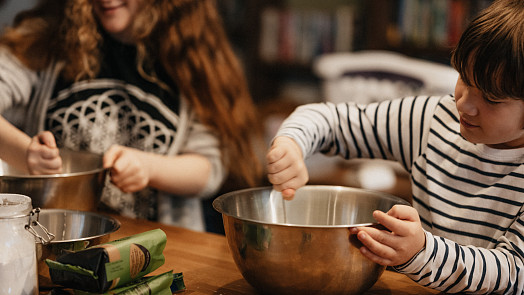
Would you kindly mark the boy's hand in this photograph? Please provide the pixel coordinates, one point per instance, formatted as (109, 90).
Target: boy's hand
(286, 168)
(43, 156)
(128, 172)
(405, 240)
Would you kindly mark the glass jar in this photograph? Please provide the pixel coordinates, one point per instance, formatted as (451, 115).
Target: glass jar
(18, 267)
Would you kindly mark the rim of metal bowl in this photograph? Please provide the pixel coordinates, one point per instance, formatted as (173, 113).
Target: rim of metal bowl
(113, 220)
(218, 202)
(58, 175)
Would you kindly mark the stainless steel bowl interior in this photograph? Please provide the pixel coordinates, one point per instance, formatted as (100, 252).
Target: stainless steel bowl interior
(74, 163)
(303, 246)
(72, 225)
(312, 206)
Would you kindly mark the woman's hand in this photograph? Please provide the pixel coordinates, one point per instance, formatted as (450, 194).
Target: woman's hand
(127, 168)
(286, 168)
(43, 156)
(405, 240)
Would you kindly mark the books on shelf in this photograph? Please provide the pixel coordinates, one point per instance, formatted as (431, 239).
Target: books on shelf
(297, 36)
(269, 32)
(440, 23)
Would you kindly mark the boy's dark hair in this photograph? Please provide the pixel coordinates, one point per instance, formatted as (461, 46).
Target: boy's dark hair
(490, 53)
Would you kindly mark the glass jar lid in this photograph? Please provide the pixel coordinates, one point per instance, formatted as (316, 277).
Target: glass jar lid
(14, 205)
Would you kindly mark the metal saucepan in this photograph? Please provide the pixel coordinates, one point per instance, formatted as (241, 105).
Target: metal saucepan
(73, 230)
(79, 187)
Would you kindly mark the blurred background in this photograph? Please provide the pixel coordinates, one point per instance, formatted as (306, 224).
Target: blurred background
(302, 51)
(279, 40)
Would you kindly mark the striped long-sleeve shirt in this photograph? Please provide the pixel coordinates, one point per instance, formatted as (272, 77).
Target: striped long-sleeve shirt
(469, 196)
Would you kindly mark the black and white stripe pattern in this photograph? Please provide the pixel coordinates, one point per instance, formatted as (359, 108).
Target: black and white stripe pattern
(469, 196)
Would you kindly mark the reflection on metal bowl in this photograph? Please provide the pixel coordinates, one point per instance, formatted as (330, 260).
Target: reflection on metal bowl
(78, 188)
(73, 230)
(302, 246)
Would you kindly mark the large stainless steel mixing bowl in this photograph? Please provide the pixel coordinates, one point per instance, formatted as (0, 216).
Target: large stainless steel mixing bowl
(78, 188)
(74, 230)
(302, 246)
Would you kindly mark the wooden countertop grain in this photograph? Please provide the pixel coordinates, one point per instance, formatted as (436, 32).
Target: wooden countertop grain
(208, 267)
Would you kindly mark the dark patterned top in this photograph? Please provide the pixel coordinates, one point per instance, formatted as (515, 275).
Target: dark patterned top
(117, 107)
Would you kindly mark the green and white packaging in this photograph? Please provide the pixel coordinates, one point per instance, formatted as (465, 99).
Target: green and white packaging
(158, 285)
(104, 267)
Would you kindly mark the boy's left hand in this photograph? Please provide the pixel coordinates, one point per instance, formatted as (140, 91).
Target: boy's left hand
(405, 240)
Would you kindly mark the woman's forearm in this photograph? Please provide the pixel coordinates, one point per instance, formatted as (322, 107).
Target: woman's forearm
(181, 175)
(13, 145)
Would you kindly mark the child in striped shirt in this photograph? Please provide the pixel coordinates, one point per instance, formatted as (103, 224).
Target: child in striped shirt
(465, 154)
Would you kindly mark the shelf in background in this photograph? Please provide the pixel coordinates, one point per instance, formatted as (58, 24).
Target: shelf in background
(278, 40)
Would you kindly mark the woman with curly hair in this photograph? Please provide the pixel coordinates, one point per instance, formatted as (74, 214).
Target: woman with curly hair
(152, 84)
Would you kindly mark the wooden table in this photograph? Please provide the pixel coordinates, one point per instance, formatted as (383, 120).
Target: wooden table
(208, 267)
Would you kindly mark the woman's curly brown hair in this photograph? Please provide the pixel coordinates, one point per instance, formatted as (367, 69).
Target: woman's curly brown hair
(186, 36)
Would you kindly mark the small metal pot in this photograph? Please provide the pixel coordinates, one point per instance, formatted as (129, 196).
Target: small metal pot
(302, 246)
(79, 187)
(73, 230)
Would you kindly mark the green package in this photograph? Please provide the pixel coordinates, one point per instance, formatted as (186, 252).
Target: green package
(178, 284)
(159, 284)
(104, 267)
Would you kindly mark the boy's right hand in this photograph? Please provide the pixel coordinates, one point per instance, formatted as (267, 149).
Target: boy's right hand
(43, 156)
(286, 168)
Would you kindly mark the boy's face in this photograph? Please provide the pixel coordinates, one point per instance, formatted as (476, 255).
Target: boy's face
(497, 123)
